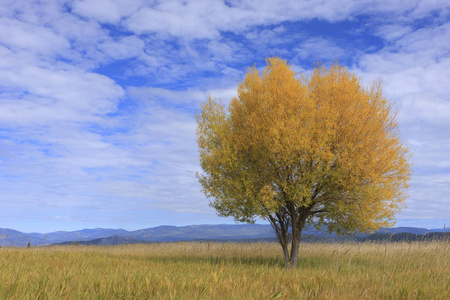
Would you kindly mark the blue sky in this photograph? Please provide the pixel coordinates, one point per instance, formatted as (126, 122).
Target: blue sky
(98, 98)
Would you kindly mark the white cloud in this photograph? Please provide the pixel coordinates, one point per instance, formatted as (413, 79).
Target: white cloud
(31, 38)
(206, 19)
(189, 98)
(393, 32)
(123, 48)
(82, 95)
(319, 49)
(105, 11)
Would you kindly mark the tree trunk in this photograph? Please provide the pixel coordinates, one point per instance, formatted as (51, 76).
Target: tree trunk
(285, 247)
(282, 231)
(295, 247)
(298, 222)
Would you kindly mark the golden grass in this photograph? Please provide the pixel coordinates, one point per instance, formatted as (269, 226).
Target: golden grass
(227, 271)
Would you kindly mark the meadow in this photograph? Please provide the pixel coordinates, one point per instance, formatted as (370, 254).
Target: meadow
(227, 271)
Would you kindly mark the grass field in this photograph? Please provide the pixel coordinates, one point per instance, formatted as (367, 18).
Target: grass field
(227, 271)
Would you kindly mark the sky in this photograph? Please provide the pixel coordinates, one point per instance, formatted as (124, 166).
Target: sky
(98, 98)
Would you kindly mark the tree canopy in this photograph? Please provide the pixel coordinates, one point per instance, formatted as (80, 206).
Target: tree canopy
(318, 149)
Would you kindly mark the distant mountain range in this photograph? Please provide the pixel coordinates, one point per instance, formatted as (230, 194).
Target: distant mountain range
(237, 232)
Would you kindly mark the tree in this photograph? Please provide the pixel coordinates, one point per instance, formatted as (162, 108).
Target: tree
(318, 150)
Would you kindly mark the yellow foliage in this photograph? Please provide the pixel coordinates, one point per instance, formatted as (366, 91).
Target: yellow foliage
(322, 147)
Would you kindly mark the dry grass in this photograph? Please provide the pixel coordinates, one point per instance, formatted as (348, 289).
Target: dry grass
(227, 271)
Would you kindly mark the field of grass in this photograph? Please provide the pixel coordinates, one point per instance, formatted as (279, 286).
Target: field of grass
(227, 271)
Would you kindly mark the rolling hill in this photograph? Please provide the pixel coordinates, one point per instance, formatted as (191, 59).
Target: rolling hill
(225, 232)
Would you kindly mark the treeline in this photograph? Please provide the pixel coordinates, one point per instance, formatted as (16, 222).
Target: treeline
(378, 237)
(406, 237)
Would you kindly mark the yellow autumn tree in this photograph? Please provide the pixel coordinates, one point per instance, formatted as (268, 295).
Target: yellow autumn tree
(294, 150)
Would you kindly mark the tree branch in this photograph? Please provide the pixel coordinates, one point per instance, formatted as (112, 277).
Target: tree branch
(313, 212)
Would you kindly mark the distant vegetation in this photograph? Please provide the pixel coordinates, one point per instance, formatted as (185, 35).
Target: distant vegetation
(407, 237)
(227, 271)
